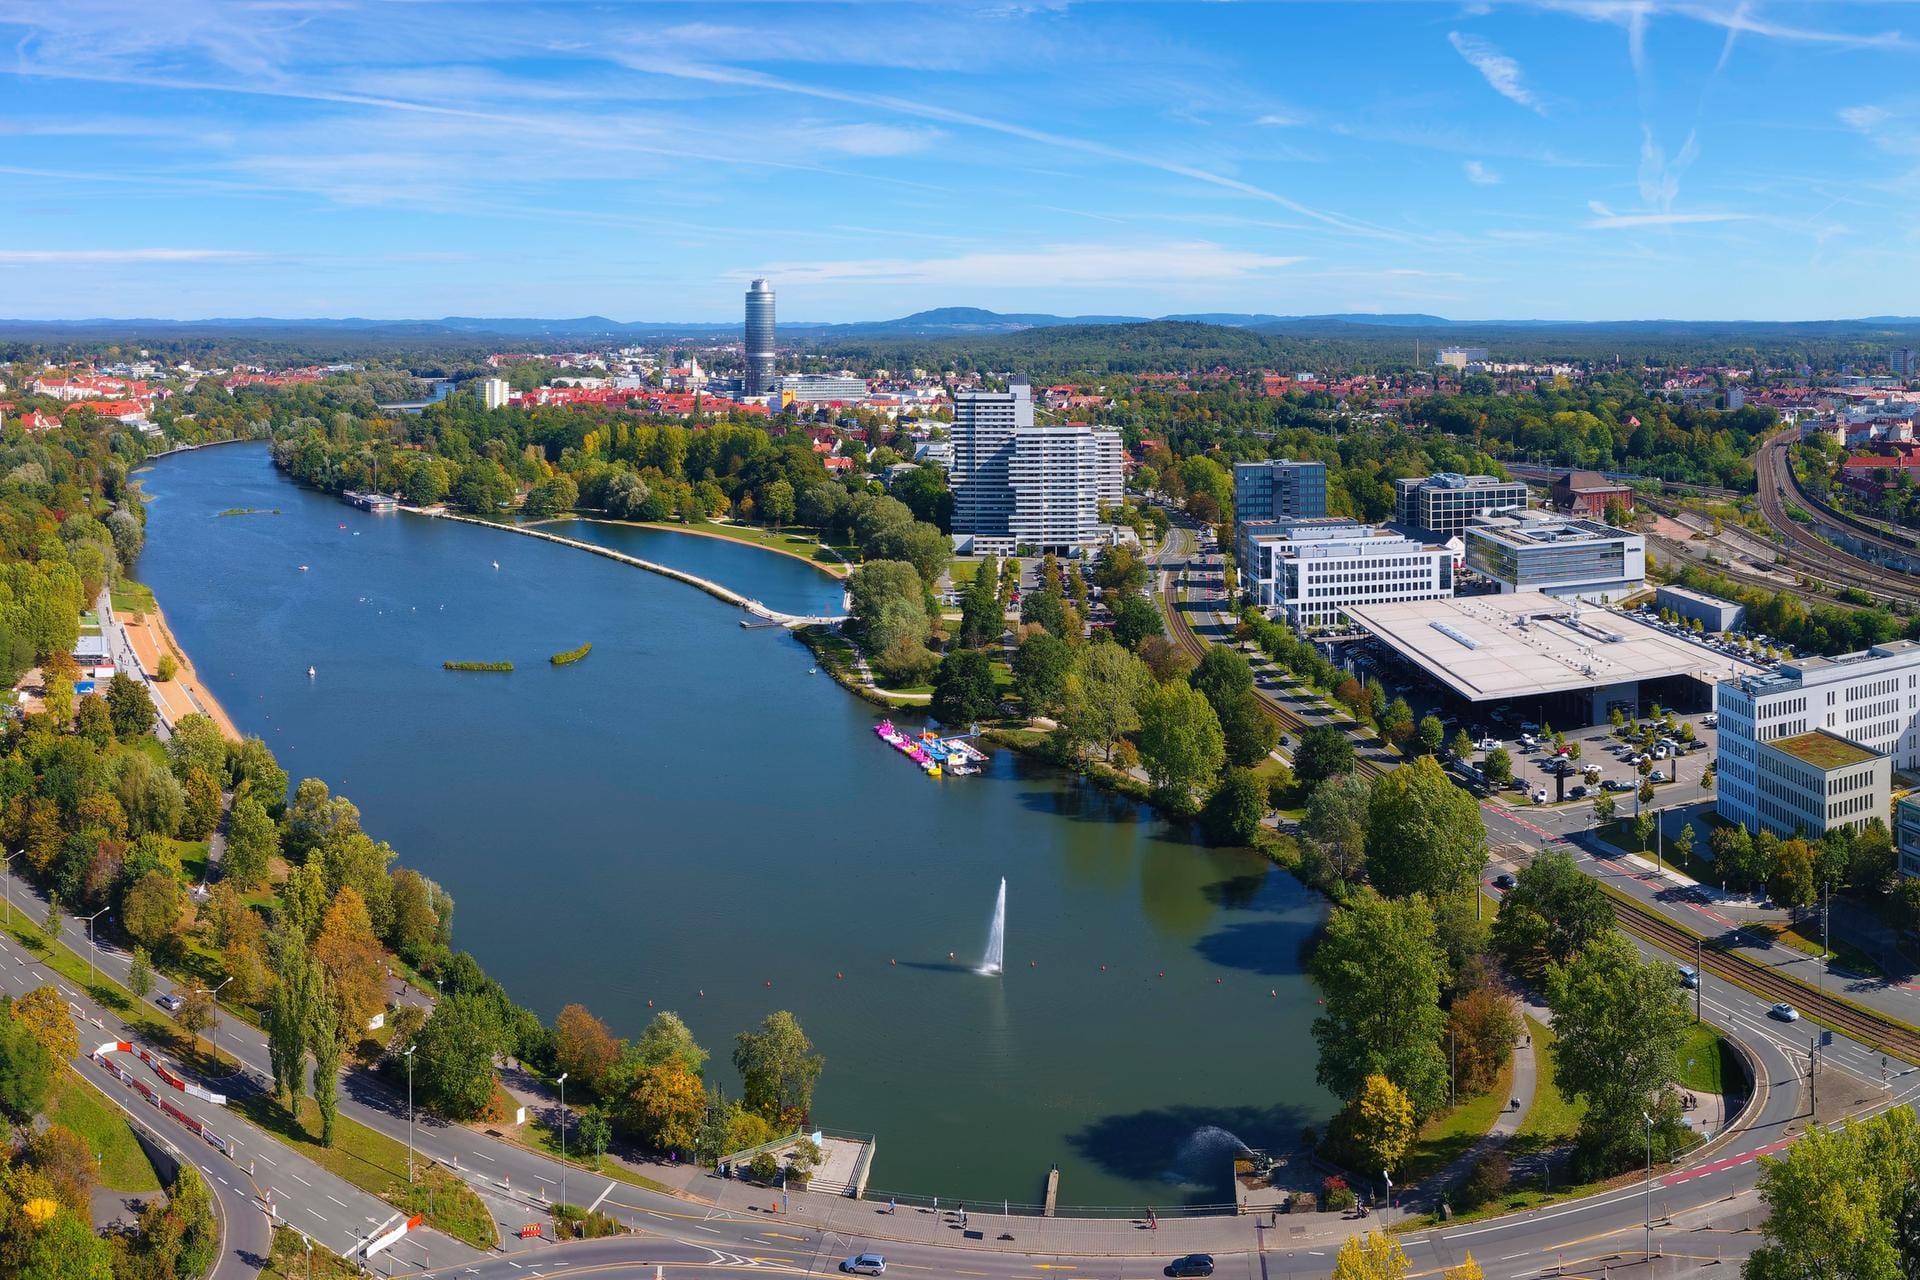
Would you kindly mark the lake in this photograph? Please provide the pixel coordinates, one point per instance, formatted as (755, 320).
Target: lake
(688, 818)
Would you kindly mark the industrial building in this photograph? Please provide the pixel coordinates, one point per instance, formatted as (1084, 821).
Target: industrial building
(1867, 699)
(1557, 659)
(1442, 504)
(1710, 612)
(1539, 551)
(1279, 490)
(1315, 571)
(1017, 485)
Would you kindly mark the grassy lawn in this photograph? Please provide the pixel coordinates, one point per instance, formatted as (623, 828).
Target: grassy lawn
(804, 545)
(378, 1164)
(542, 1137)
(1553, 1118)
(292, 1261)
(962, 572)
(123, 1162)
(1712, 1062)
(1447, 1135)
(193, 859)
(133, 596)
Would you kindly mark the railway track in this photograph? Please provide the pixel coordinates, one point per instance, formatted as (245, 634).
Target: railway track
(1869, 1028)
(1814, 553)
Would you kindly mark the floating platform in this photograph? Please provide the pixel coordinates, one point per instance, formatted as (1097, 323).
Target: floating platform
(935, 755)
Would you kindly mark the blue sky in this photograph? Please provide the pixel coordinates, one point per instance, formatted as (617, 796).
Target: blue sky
(1581, 159)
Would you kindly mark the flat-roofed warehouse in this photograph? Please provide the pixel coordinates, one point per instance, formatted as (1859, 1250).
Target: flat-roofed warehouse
(1526, 645)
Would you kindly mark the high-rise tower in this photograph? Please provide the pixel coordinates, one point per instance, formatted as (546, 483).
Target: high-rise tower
(759, 337)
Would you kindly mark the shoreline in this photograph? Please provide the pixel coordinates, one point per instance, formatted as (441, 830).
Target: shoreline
(839, 575)
(148, 632)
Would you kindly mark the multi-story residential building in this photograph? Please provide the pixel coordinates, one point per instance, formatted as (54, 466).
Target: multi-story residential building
(492, 392)
(1442, 504)
(1311, 570)
(1461, 358)
(1538, 551)
(1279, 490)
(1870, 699)
(1906, 834)
(1017, 485)
(759, 338)
(817, 388)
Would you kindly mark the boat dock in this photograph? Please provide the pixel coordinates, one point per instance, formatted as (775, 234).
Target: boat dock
(1053, 1192)
(934, 754)
(379, 502)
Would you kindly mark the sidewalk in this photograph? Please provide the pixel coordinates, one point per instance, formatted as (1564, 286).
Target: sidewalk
(1427, 1196)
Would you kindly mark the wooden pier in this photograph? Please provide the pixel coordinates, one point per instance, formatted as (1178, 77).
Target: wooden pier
(1053, 1192)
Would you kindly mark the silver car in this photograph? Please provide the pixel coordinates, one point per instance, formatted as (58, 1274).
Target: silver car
(865, 1264)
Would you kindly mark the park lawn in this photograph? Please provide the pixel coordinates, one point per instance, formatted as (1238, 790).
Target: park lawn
(135, 597)
(123, 1161)
(962, 572)
(804, 545)
(1713, 1066)
(1444, 1137)
(377, 1164)
(542, 1137)
(1553, 1118)
(194, 856)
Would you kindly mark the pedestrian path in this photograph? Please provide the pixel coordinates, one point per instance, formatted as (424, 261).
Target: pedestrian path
(1504, 1127)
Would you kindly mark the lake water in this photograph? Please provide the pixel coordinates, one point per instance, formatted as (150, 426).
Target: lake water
(688, 811)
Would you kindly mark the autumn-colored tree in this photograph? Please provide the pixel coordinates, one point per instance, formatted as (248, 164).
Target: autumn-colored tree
(152, 909)
(1483, 1026)
(1380, 1123)
(66, 1161)
(244, 959)
(351, 956)
(1371, 1257)
(1467, 1270)
(666, 1107)
(582, 1045)
(43, 1012)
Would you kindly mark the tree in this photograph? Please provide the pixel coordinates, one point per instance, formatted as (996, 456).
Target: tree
(256, 773)
(1396, 723)
(50, 923)
(1482, 1027)
(453, 1068)
(1683, 843)
(1498, 767)
(202, 812)
(26, 1071)
(140, 974)
(1336, 824)
(582, 1046)
(1467, 1269)
(1836, 1202)
(196, 1011)
(1380, 1123)
(1424, 835)
(1380, 970)
(982, 610)
(963, 688)
(1551, 914)
(197, 743)
(327, 1038)
(777, 503)
(1180, 743)
(1603, 807)
(1371, 1257)
(59, 1245)
(351, 958)
(1618, 1021)
(1791, 881)
(777, 1067)
(1040, 668)
(416, 905)
(1235, 809)
(1134, 620)
(252, 843)
(667, 1039)
(666, 1107)
(594, 1128)
(167, 668)
(66, 1161)
(315, 819)
(1102, 695)
(1323, 752)
(889, 606)
(1643, 829)
(1432, 735)
(1462, 747)
(129, 707)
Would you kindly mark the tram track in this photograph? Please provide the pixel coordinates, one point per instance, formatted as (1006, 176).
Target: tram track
(1807, 550)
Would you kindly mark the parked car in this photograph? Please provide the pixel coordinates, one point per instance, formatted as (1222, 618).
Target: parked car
(865, 1264)
(1540, 797)
(1576, 793)
(1658, 775)
(1785, 1012)
(1487, 744)
(1616, 784)
(1193, 1264)
(170, 1002)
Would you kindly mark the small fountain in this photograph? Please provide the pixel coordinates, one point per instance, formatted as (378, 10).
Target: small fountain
(1207, 1156)
(994, 961)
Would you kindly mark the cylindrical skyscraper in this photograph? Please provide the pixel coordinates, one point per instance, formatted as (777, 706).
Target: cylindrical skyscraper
(759, 337)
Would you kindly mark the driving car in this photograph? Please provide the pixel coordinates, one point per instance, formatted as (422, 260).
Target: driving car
(170, 1002)
(1785, 1012)
(1193, 1264)
(865, 1264)
(1503, 881)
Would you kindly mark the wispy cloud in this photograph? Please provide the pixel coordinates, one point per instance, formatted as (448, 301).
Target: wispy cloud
(1864, 118)
(24, 257)
(1481, 176)
(1278, 120)
(1502, 73)
(1606, 219)
(1660, 175)
(1052, 266)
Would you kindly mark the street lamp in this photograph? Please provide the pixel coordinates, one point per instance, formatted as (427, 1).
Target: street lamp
(90, 919)
(562, 1082)
(215, 993)
(408, 1055)
(1649, 1204)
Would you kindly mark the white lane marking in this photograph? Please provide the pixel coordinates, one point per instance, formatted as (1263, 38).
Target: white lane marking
(483, 1155)
(310, 1209)
(268, 1159)
(297, 1178)
(602, 1196)
(709, 1230)
(342, 1203)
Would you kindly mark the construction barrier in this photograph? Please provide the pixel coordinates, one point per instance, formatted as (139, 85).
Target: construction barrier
(146, 1091)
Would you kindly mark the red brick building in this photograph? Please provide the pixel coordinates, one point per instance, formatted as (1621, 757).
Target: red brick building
(1587, 493)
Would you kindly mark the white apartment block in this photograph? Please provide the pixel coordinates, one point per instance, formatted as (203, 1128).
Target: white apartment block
(1444, 503)
(1870, 700)
(1019, 485)
(492, 392)
(1311, 570)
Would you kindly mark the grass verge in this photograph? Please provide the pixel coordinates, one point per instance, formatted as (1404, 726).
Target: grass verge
(295, 1258)
(1448, 1135)
(1553, 1117)
(1707, 1062)
(546, 1140)
(123, 1161)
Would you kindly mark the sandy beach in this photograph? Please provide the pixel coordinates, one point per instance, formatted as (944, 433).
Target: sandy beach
(184, 694)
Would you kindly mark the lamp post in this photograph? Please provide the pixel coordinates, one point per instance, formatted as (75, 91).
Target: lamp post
(562, 1082)
(1649, 1204)
(7, 863)
(90, 919)
(215, 993)
(408, 1055)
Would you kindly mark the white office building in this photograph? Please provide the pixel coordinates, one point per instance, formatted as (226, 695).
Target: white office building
(1444, 503)
(1312, 570)
(1869, 700)
(1906, 834)
(492, 392)
(1557, 555)
(1017, 485)
(818, 388)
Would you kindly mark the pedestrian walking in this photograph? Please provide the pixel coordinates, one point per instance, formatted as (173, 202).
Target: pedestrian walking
(893, 1206)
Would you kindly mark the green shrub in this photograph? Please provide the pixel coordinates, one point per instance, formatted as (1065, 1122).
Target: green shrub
(478, 666)
(571, 656)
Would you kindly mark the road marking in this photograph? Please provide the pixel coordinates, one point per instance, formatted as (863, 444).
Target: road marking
(483, 1155)
(602, 1196)
(313, 1211)
(267, 1158)
(342, 1203)
(297, 1178)
(697, 1227)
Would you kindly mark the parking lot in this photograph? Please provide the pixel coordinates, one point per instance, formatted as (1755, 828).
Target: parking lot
(1607, 764)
